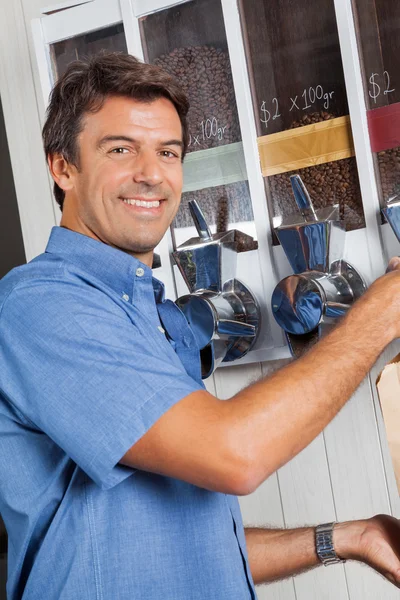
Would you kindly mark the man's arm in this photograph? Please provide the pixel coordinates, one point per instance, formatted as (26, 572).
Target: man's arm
(278, 553)
(234, 445)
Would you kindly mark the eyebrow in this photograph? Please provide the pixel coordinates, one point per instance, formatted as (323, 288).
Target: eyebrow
(124, 138)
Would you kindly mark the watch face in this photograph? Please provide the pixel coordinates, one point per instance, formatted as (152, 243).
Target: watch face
(324, 544)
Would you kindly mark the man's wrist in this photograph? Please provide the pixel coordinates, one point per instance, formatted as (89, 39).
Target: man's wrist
(385, 292)
(347, 539)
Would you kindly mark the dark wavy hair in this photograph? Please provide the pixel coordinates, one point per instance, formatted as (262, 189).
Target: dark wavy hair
(86, 85)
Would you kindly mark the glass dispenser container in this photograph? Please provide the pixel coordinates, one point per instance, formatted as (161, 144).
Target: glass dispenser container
(377, 28)
(189, 41)
(300, 105)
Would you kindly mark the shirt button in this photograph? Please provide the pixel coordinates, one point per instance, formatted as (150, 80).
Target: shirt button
(140, 272)
(125, 297)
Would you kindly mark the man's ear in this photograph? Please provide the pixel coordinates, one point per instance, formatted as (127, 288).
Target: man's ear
(61, 171)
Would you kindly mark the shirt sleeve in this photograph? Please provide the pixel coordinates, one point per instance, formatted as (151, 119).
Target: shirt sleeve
(87, 374)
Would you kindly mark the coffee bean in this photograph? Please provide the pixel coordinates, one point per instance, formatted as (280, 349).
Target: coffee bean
(388, 164)
(204, 73)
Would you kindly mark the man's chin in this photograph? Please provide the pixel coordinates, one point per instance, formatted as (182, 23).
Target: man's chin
(142, 248)
(143, 252)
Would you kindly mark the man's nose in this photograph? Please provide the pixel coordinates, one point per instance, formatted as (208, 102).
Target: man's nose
(148, 169)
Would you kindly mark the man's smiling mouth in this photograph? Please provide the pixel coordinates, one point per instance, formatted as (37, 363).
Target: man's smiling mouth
(142, 203)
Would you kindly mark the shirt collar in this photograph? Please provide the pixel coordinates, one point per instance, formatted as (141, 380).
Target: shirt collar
(115, 268)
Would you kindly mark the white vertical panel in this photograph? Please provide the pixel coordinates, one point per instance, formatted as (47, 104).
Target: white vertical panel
(307, 500)
(45, 78)
(356, 464)
(23, 131)
(132, 30)
(43, 64)
(263, 507)
(359, 126)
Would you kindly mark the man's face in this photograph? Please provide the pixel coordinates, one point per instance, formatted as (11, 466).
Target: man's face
(128, 187)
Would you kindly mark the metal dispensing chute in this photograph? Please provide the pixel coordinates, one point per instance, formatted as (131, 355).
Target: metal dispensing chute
(323, 286)
(221, 310)
(392, 214)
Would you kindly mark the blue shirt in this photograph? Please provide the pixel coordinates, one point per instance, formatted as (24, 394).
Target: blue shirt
(86, 370)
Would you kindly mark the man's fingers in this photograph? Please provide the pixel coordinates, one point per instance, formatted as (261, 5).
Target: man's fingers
(394, 264)
(397, 577)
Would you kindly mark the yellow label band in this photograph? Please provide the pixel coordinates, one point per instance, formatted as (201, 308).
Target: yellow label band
(306, 146)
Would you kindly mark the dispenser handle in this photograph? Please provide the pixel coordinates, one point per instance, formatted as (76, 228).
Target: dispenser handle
(200, 221)
(235, 328)
(302, 198)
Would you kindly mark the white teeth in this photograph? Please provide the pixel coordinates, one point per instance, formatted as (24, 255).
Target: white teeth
(154, 204)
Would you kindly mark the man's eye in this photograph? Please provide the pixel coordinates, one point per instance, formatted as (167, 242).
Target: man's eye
(119, 150)
(169, 154)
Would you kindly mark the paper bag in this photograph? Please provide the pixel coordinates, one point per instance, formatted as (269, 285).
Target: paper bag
(388, 384)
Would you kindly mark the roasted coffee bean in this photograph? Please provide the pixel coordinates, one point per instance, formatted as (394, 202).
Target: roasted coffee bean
(389, 169)
(205, 75)
(328, 184)
(222, 206)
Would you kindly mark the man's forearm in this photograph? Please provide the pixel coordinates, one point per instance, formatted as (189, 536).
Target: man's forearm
(279, 553)
(275, 418)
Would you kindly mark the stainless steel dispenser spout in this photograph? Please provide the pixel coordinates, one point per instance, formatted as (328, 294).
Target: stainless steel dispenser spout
(323, 286)
(222, 311)
(200, 222)
(392, 214)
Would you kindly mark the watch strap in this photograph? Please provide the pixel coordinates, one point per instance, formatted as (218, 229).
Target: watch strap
(324, 544)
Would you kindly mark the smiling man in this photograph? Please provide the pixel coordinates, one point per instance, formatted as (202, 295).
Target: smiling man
(127, 188)
(119, 472)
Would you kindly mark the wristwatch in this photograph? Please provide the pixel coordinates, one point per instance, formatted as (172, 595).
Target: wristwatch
(324, 545)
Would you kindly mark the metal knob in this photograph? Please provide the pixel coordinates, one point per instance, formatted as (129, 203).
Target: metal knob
(324, 286)
(222, 311)
(300, 303)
